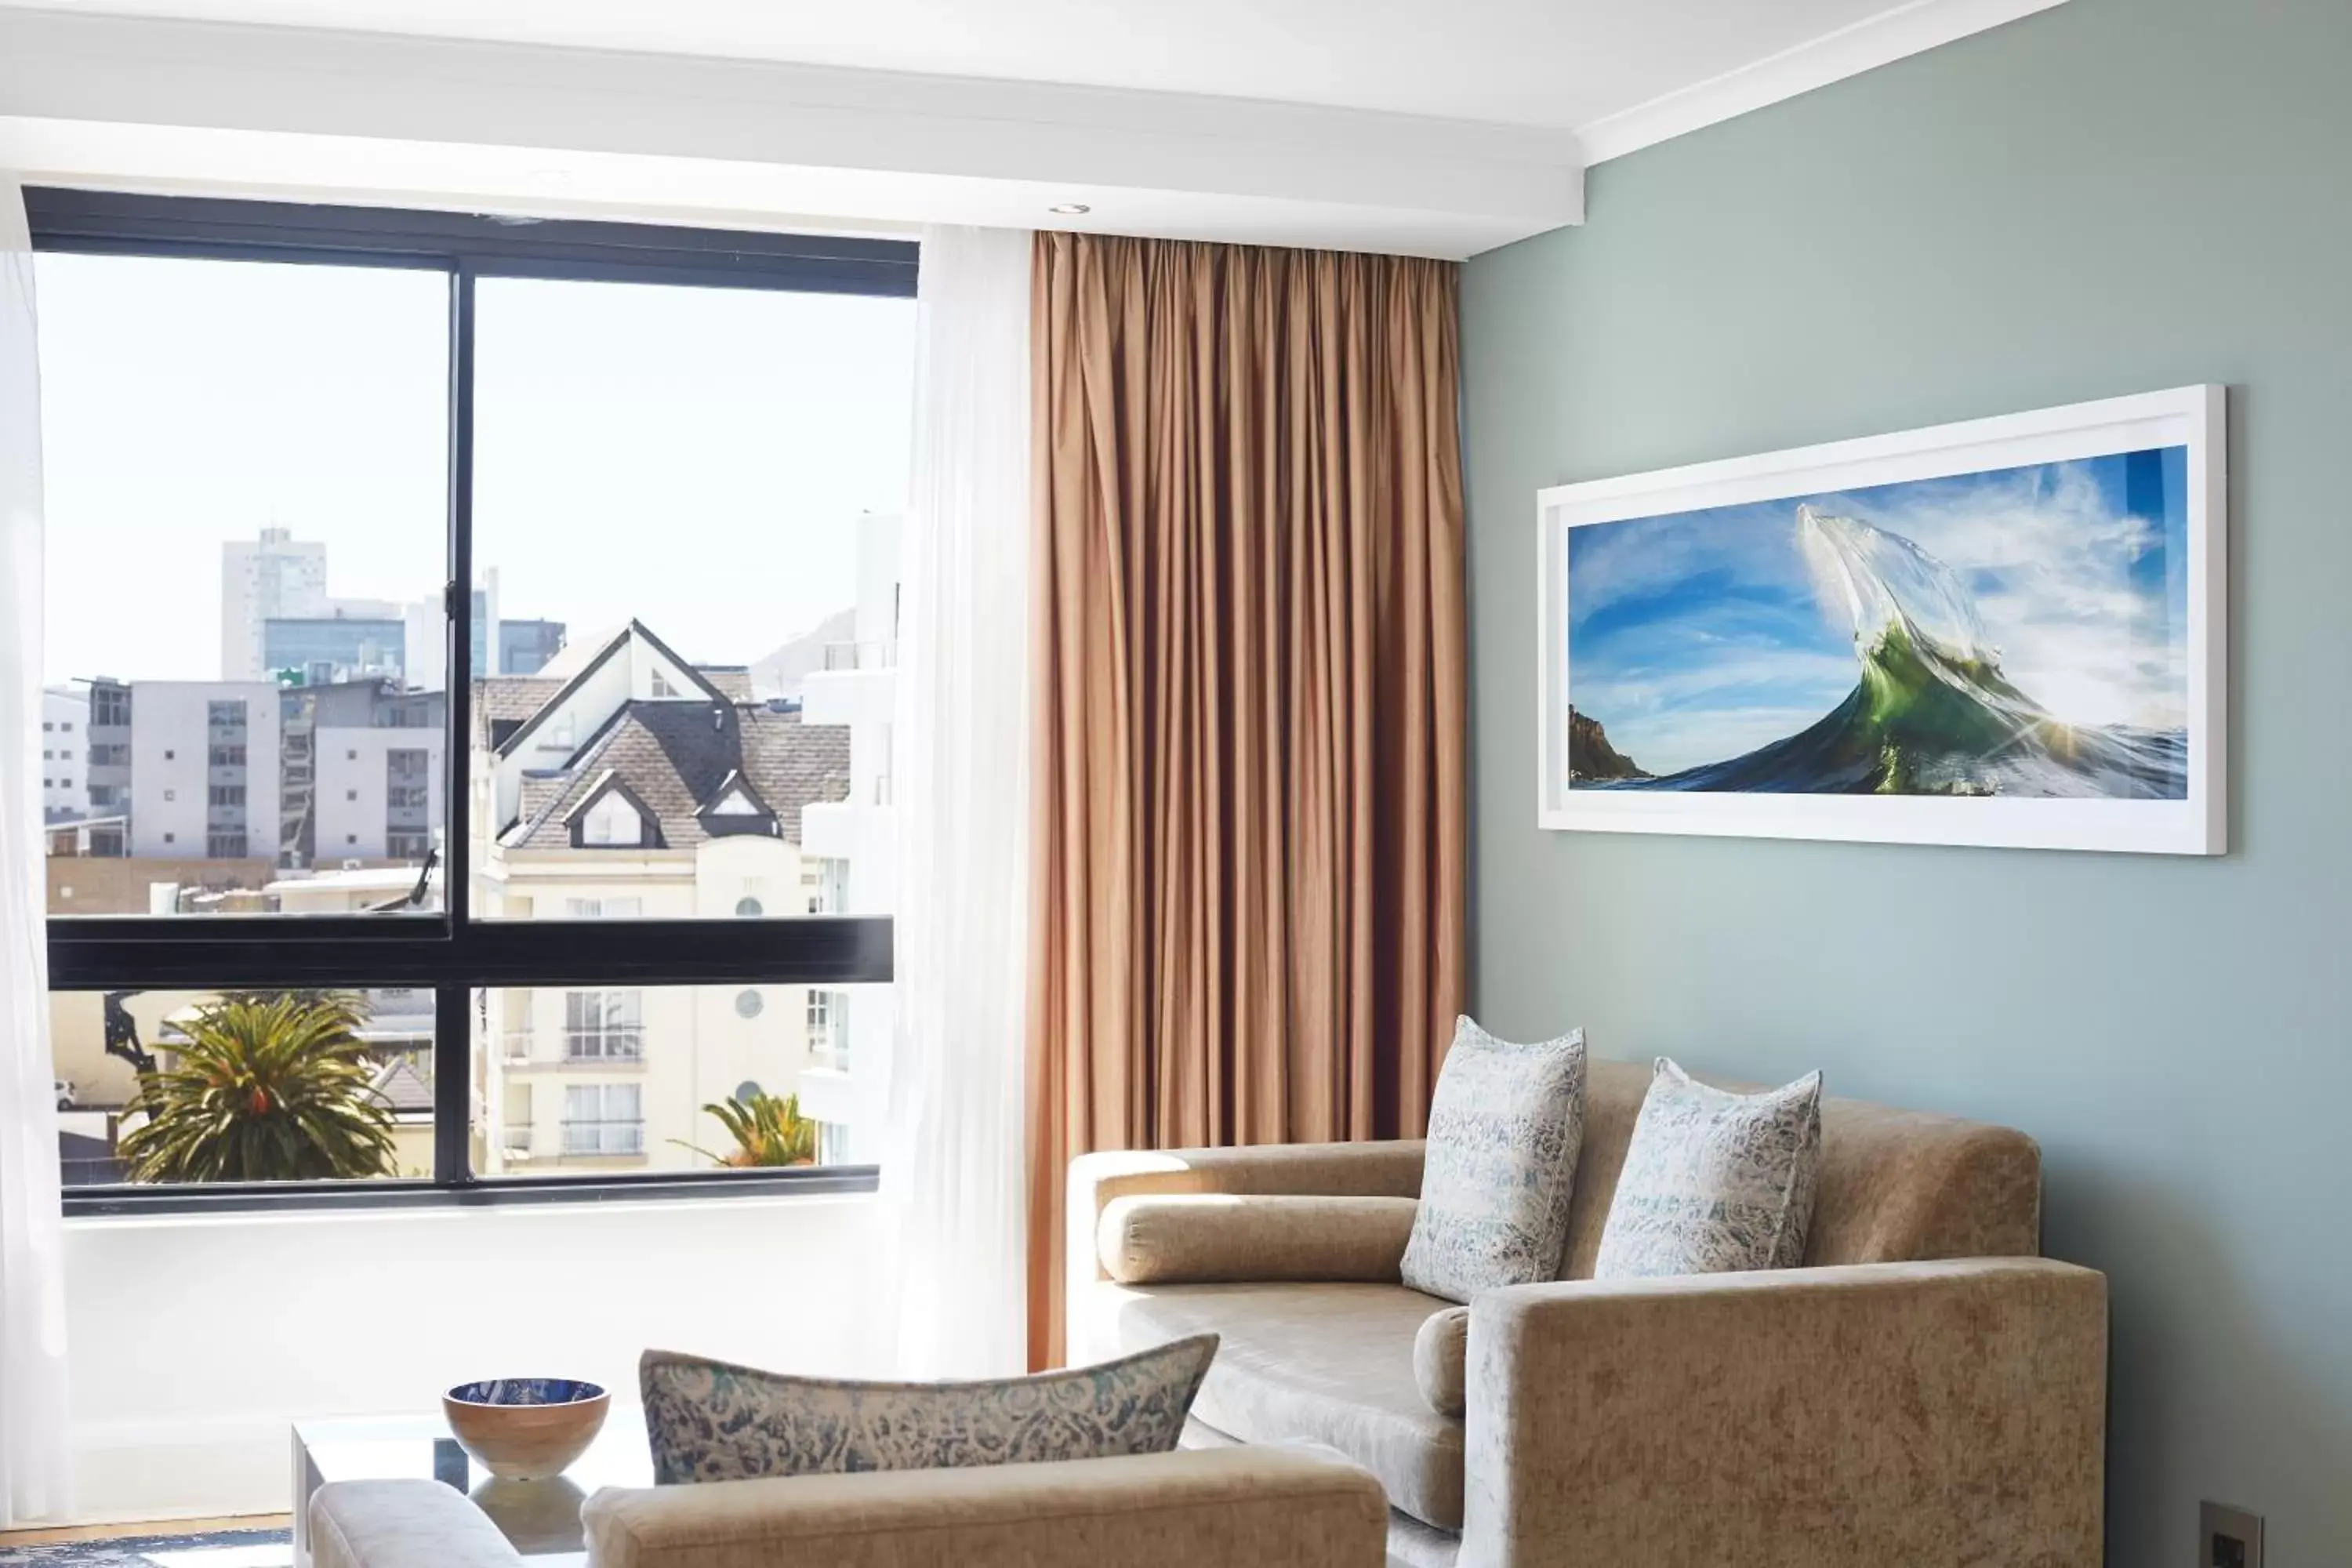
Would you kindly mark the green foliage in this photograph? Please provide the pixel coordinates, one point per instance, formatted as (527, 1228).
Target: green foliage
(767, 1132)
(267, 1087)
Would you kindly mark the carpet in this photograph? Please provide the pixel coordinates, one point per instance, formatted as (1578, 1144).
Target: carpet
(219, 1549)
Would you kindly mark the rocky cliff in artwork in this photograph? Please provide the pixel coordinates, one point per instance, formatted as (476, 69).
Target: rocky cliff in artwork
(1589, 754)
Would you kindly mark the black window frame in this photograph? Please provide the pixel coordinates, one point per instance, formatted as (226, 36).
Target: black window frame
(447, 952)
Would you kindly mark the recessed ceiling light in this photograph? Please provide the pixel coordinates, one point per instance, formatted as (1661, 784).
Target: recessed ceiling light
(1070, 209)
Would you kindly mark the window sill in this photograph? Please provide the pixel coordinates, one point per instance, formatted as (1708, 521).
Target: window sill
(663, 1187)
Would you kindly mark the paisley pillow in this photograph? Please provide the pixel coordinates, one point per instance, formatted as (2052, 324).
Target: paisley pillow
(1505, 1127)
(1714, 1182)
(710, 1421)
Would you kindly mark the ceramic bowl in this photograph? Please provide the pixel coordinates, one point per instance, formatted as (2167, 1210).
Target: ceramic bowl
(526, 1428)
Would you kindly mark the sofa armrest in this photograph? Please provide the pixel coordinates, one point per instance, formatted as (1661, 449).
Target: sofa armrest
(1206, 1238)
(1926, 1414)
(413, 1523)
(1252, 1508)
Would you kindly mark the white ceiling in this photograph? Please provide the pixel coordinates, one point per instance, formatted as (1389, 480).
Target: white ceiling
(1421, 127)
(1564, 64)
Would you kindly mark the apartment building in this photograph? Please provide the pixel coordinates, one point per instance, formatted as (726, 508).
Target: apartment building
(625, 782)
(106, 773)
(856, 689)
(64, 754)
(361, 772)
(202, 768)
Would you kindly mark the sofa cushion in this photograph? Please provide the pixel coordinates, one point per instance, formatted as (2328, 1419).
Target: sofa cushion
(1440, 1351)
(1897, 1185)
(1327, 1364)
(711, 1421)
(1505, 1126)
(1204, 1237)
(1713, 1182)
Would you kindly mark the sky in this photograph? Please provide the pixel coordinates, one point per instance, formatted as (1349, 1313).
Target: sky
(1696, 637)
(693, 457)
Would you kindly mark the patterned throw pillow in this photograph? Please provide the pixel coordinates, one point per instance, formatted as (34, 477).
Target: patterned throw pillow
(1505, 1126)
(709, 1421)
(1714, 1182)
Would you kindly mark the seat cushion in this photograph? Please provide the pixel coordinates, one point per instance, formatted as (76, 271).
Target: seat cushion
(1317, 1363)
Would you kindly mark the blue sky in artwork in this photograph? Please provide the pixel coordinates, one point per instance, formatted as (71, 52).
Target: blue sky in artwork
(1698, 636)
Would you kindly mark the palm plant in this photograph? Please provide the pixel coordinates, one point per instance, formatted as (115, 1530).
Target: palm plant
(266, 1089)
(767, 1132)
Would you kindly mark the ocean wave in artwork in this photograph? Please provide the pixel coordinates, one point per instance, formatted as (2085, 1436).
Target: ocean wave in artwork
(1931, 712)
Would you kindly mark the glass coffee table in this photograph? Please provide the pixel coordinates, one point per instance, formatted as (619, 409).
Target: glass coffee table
(541, 1519)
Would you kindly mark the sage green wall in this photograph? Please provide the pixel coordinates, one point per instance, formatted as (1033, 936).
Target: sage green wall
(2113, 196)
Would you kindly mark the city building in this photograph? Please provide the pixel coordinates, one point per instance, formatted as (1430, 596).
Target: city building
(203, 768)
(623, 783)
(106, 773)
(360, 773)
(317, 649)
(64, 754)
(277, 576)
(854, 687)
(522, 647)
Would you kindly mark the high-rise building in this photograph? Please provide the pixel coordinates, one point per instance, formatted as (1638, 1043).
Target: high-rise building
(277, 577)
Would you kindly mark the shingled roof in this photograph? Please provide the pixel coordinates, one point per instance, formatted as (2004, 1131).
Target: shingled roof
(677, 757)
(501, 703)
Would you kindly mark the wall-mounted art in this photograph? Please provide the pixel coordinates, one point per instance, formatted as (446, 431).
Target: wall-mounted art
(2003, 632)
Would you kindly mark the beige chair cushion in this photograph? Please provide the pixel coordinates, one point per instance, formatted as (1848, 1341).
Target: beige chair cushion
(1329, 1364)
(1204, 1237)
(1440, 1351)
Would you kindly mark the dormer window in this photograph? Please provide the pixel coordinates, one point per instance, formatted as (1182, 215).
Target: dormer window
(613, 821)
(662, 687)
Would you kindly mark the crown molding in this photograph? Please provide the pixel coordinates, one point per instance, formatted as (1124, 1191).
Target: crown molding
(1866, 45)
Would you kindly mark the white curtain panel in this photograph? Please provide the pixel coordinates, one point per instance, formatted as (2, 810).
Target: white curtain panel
(952, 1152)
(35, 1448)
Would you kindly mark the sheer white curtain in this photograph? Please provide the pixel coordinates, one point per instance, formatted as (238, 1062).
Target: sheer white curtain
(34, 1431)
(953, 1150)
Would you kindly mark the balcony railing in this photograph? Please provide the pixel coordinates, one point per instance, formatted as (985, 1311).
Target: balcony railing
(606, 1043)
(872, 655)
(603, 1137)
(514, 1047)
(514, 1138)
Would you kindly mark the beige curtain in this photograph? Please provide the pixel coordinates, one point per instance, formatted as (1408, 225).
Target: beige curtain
(1248, 709)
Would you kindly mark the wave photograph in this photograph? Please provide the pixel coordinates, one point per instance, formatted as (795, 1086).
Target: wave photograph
(2019, 632)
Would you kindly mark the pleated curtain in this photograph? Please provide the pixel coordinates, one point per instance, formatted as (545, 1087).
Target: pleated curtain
(1248, 704)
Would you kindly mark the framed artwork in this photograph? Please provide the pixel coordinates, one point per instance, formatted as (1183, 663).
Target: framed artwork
(2003, 632)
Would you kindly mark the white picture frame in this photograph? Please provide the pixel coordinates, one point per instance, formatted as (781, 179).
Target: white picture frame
(2193, 822)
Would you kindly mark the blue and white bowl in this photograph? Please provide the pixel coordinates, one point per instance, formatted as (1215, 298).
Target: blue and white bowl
(526, 1428)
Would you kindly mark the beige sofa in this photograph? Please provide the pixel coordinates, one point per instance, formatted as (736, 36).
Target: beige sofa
(1258, 1509)
(1927, 1392)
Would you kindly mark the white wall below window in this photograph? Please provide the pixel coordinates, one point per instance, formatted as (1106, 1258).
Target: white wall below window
(196, 1342)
